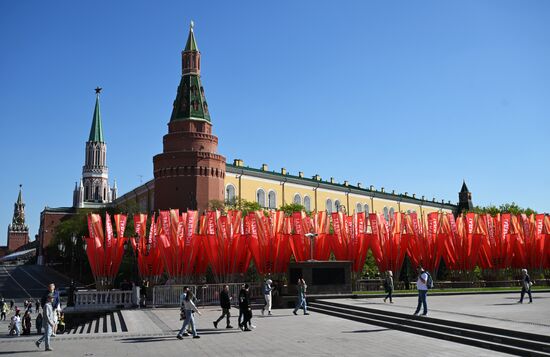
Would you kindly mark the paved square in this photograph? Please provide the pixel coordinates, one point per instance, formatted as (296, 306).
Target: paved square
(152, 332)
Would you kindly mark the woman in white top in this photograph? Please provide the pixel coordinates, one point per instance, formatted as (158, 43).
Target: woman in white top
(189, 307)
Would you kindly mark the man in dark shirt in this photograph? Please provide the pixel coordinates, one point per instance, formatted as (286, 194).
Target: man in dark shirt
(225, 303)
(245, 308)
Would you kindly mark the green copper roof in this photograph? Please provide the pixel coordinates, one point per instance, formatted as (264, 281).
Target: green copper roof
(20, 197)
(191, 44)
(190, 100)
(96, 132)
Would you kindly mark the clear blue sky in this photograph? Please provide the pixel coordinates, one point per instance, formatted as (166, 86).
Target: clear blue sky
(411, 96)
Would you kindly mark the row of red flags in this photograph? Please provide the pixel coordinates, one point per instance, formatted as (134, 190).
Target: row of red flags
(187, 243)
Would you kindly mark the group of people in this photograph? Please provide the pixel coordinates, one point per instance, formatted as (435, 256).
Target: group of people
(188, 307)
(47, 319)
(424, 282)
(20, 324)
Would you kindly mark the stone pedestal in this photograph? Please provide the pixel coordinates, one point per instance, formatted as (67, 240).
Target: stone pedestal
(322, 277)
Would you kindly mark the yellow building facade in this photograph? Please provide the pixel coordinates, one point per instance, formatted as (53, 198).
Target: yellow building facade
(273, 189)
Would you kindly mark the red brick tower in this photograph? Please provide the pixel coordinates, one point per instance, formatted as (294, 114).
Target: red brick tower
(18, 231)
(189, 173)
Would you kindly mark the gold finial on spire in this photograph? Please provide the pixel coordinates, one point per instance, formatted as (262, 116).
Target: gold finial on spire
(191, 25)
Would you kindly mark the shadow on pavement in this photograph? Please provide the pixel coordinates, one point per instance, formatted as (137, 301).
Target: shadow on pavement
(14, 352)
(366, 331)
(147, 339)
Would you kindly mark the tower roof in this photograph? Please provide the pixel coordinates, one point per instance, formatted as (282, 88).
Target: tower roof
(191, 44)
(464, 187)
(190, 103)
(20, 196)
(96, 131)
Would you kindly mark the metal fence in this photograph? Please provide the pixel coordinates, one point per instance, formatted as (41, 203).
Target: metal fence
(169, 295)
(101, 300)
(378, 285)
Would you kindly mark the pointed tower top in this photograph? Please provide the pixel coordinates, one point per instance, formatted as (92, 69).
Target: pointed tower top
(96, 132)
(20, 197)
(191, 44)
(190, 103)
(464, 187)
(18, 220)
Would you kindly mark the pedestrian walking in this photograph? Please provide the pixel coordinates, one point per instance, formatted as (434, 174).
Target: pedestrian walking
(48, 323)
(11, 304)
(56, 305)
(388, 286)
(526, 284)
(301, 302)
(27, 324)
(245, 309)
(3, 309)
(39, 323)
(225, 303)
(267, 288)
(37, 306)
(15, 325)
(189, 318)
(182, 302)
(422, 287)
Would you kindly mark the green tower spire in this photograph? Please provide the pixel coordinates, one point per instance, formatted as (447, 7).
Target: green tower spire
(191, 44)
(96, 131)
(20, 197)
(190, 103)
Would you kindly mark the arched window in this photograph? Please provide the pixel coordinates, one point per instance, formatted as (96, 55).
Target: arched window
(260, 197)
(307, 203)
(272, 200)
(328, 206)
(358, 208)
(386, 213)
(96, 195)
(337, 205)
(297, 199)
(230, 194)
(366, 209)
(392, 211)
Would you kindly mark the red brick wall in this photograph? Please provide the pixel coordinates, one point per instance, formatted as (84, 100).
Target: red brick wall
(17, 239)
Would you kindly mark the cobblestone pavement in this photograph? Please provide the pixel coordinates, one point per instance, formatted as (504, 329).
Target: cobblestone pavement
(152, 332)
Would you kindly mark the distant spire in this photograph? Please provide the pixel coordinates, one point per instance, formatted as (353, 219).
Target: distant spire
(96, 131)
(191, 44)
(464, 187)
(18, 220)
(20, 197)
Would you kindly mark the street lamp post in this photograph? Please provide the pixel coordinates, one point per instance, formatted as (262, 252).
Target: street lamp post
(84, 247)
(311, 237)
(73, 241)
(61, 247)
(136, 259)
